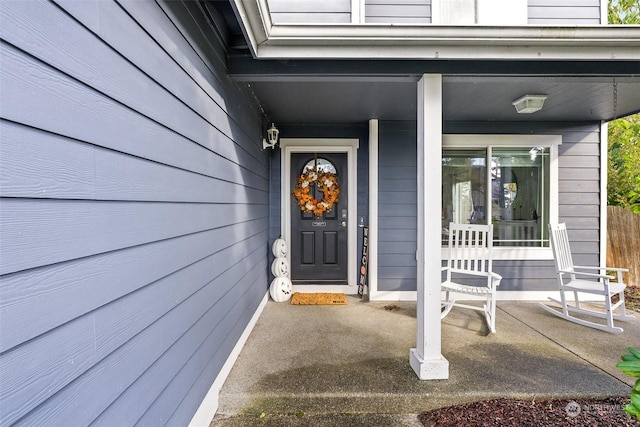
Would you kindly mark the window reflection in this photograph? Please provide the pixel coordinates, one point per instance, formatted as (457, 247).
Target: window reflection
(517, 200)
(463, 188)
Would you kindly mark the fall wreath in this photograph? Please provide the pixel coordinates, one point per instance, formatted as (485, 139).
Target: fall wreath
(326, 182)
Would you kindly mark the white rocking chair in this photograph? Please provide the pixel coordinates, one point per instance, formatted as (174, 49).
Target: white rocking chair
(570, 280)
(470, 249)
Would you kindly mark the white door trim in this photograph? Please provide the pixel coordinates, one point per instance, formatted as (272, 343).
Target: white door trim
(372, 270)
(323, 145)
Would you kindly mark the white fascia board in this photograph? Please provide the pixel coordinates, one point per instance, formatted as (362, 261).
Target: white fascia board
(399, 41)
(452, 34)
(452, 42)
(255, 20)
(415, 52)
(446, 34)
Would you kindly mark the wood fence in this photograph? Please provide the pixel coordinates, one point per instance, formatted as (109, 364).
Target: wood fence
(623, 242)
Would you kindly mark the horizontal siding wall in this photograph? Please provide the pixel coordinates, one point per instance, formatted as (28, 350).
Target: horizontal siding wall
(133, 212)
(296, 11)
(339, 11)
(579, 195)
(539, 12)
(397, 206)
(564, 12)
(398, 11)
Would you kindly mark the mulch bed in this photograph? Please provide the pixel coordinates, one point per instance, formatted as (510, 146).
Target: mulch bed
(542, 413)
(632, 298)
(518, 413)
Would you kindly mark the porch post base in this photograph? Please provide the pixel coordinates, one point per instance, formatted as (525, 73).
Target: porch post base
(429, 369)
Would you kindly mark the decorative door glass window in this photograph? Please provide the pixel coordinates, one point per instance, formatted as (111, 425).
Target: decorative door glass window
(324, 165)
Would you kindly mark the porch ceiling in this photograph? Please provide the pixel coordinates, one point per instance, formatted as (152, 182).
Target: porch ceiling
(465, 98)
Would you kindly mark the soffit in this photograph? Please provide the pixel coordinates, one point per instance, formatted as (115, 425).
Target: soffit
(465, 98)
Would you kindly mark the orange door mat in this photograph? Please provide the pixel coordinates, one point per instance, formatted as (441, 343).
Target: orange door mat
(301, 298)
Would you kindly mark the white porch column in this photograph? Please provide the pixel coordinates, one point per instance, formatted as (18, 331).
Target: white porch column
(426, 359)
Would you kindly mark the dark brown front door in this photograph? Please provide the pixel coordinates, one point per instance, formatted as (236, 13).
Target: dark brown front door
(319, 244)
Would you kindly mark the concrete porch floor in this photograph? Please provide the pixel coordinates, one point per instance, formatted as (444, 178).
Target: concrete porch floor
(349, 365)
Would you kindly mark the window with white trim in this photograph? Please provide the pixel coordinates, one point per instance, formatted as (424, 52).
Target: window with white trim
(510, 180)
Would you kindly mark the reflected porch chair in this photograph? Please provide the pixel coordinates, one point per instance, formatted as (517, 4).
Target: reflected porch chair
(469, 270)
(596, 283)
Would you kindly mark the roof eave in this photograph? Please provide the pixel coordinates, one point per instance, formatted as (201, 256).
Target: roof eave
(394, 41)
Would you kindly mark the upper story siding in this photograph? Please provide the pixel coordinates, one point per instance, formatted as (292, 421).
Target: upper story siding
(133, 212)
(299, 12)
(340, 11)
(565, 12)
(539, 12)
(398, 11)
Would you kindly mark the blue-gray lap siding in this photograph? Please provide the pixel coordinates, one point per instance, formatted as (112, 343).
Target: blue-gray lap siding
(564, 12)
(398, 11)
(133, 212)
(296, 11)
(579, 198)
(339, 11)
(539, 12)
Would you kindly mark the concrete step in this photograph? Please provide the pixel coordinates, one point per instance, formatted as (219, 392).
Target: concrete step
(318, 420)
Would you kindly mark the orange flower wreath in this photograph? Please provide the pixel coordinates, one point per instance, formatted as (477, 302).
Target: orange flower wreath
(327, 182)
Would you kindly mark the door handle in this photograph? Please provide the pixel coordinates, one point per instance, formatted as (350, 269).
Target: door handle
(343, 223)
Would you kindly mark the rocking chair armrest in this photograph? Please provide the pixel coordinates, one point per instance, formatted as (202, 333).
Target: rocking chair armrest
(580, 273)
(601, 268)
(624, 270)
(495, 277)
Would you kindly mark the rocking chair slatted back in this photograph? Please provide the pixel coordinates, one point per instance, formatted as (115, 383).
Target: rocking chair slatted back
(560, 247)
(469, 248)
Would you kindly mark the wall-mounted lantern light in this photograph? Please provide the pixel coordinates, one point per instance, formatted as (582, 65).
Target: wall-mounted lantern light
(272, 135)
(529, 103)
